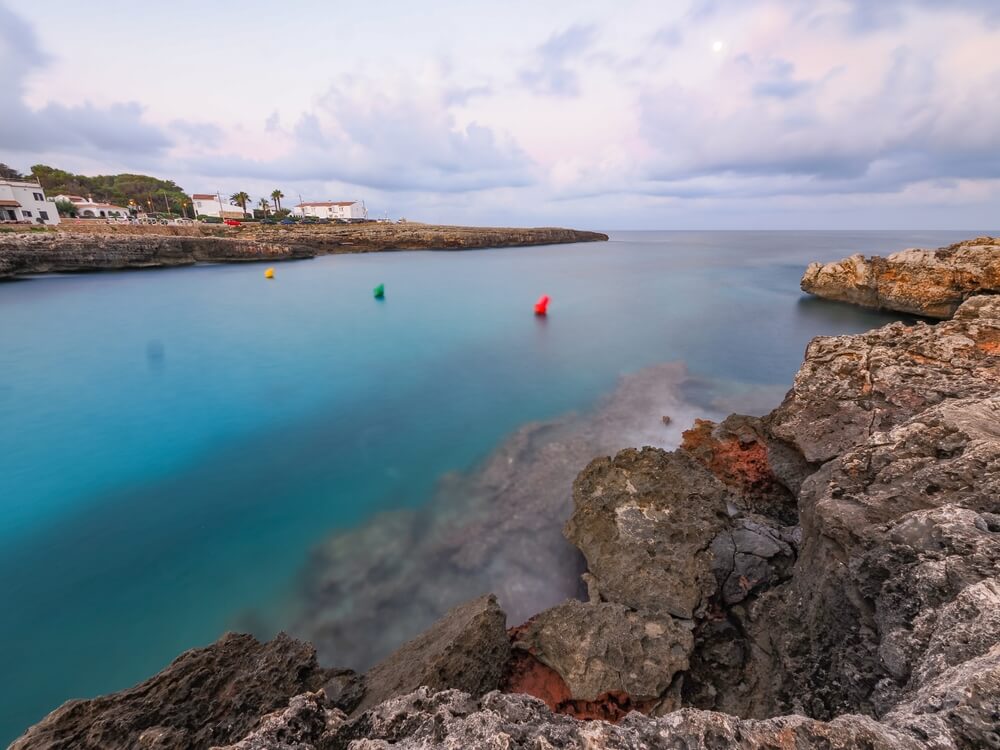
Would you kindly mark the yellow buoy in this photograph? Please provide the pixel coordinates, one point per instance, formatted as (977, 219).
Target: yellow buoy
(269, 273)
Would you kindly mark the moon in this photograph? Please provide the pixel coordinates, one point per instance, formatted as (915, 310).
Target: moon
(717, 45)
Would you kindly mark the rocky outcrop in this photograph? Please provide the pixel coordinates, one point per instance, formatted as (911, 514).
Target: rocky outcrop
(104, 247)
(62, 252)
(452, 719)
(932, 283)
(207, 696)
(467, 649)
(605, 650)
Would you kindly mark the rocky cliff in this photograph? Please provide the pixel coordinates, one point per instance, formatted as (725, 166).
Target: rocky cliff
(932, 283)
(826, 576)
(104, 247)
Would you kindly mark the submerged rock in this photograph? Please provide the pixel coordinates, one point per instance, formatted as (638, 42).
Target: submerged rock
(932, 283)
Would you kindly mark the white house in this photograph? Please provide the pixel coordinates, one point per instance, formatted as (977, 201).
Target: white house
(332, 210)
(25, 201)
(206, 204)
(87, 208)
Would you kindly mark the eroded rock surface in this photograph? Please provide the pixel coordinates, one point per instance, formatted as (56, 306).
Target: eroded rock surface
(98, 246)
(207, 696)
(932, 283)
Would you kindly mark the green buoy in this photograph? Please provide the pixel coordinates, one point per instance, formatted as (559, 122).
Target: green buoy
(380, 291)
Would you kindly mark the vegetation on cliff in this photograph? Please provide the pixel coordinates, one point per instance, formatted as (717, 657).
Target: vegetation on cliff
(118, 189)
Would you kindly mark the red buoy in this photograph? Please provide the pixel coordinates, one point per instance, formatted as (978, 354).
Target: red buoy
(542, 306)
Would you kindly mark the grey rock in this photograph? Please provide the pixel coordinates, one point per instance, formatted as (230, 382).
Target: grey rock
(644, 520)
(454, 720)
(468, 649)
(607, 648)
(850, 387)
(894, 531)
(307, 723)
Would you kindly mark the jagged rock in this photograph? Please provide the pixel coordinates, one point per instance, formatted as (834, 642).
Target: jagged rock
(467, 649)
(751, 556)
(763, 473)
(644, 520)
(605, 648)
(207, 696)
(894, 531)
(932, 283)
(454, 720)
(851, 386)
(960, 708)
(306, 723)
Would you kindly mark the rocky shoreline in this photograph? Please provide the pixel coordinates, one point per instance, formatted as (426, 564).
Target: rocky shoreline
(932, 283)
(827, 575)
(110, 248)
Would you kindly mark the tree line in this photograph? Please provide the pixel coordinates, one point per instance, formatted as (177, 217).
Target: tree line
(139, 191)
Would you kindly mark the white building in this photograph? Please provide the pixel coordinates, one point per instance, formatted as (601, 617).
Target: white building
(212, 205)
(25, 201)
(88, 208)
(349, 210)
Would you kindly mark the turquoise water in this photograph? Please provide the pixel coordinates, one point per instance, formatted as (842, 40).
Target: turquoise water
(173, 442)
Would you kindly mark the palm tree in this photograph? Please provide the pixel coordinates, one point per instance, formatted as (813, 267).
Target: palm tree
(276, 196)
(264, 205)
(240, 199)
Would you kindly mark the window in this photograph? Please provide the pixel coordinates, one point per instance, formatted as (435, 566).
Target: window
(39, 197)
(44, 215)
(26, 214)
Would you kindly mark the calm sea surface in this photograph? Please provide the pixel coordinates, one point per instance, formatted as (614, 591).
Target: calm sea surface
(173, 442)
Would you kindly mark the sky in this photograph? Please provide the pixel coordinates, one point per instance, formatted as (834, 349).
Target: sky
(695, 114)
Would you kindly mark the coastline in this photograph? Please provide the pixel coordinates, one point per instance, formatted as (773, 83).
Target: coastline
(795, 578)
(104, 247)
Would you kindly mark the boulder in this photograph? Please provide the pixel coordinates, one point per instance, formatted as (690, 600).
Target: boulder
(603, 648)
(645, 520)
(468, 649)
(932, 283)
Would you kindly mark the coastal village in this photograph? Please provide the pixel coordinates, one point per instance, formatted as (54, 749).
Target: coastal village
(24, 201)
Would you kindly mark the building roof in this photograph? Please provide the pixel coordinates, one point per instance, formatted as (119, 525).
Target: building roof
(326, 203)
(10, 204)
(204, 197)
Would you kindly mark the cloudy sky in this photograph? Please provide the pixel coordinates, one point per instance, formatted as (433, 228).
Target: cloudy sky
(687, 114)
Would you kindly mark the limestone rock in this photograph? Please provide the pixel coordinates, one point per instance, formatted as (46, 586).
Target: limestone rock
(454, 720)
(98, 246)
(607, 648)
(894, 533)
(305, 724)
(644, 520)
(932, 283)
(207, 696)
(852, 386)
(467, 649)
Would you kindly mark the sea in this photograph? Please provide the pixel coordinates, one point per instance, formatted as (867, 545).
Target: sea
(177, 444)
